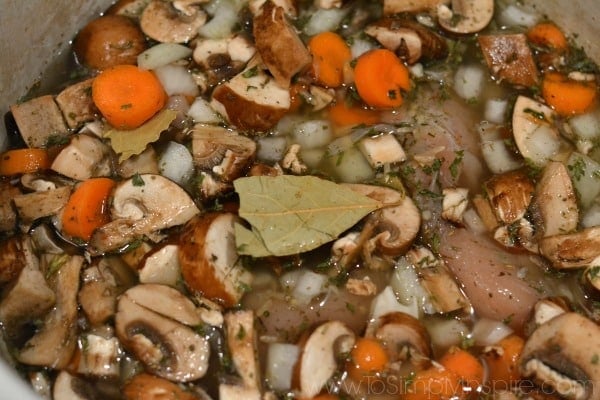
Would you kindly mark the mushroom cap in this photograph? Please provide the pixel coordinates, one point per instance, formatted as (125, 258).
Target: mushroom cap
(397, 330)
(466, 16)
(162, 22)
(560, 353)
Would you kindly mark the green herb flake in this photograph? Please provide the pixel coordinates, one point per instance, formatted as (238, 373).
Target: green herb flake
(137, 180)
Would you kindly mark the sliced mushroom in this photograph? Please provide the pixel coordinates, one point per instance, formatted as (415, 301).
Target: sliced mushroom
(161, 265)
(252, 100)
(40, 121)
(454, 204)
(55, 343)
(235, 392)
(572, 250)
(66, 387)
(278, 44)
(534, 132)
(223, 58)
(144, 163)
(166, 347)
(98, 293)
(395, 226)
(318, 359)
(36, 205)
(466, 16)
(510, 195)
(149, 387)
(409, 39)
(225, 152)
(391, 7)
(100, 356)
(83, 158)
(166, 301)
(76, 103)
(242, 342)
(509, 58)
(560, 354)
(556, 201)
(546, 309)
(402, 335)
(209, 261)
(162, 22)
(382, 150)
(141, 206)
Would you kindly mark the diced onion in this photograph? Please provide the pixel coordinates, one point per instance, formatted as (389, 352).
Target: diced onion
(176, 163)
(324, 20)
(308, 285)
(498, 157)
(515, 15)
(225, 17)
(445, 332)
(495, 110)
(311, 134)
(271, 148)
(312, 157)
(583, 171)
(487, 332)
(176, 79)
(473, 221)
(386, 302)
(360, 46)
(201, 111)
(468, 81)
(281, 360)
(591, 216)
(162, 54)
(351, 166)
(586, 126)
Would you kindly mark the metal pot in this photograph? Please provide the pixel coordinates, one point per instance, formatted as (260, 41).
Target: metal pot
(36, 32)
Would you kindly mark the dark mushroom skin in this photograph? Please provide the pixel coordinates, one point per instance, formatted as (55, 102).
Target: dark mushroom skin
(109, 40)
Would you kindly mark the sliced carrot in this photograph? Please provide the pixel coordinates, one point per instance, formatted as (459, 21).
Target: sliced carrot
(503, 363)
(343, 115)
(127, 96)
(465, 365)
(433, 384)
(330, 54)
(380, 78)
(368, 358)
(548, 35)
(87, 208)
(568, 96)
(23, 161)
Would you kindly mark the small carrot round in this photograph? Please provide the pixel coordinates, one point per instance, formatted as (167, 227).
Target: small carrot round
(367, 359)
(433, 384)
(343, 115)
(127, 96)
(380, 78)
(330, 53)
(23, 161)
(548, 35)
(465, 365)
(503, 364)
(87, 208)
(568, 96)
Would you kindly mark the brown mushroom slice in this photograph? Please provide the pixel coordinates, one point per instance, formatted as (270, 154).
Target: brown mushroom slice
(391, 7)
(407, 38)
(560, 354)
(318, 359)
(35, 205)
(572, 250)
(224, 152)
(98, 293)
(40, 121)
(242, 342)
(76, 103)
(8, 216)
(13, 257)
(402, 333)
(209, 261)
(55, 343)
(149, 387)
(278, 44)
(466, 16)
(395, 226)
(454, 204)
(144, 163)
(556, 201)
(162, 22)
(509, 58)
(141, 206)
(534, 132)
(252, 100)
(166, 347)
(166, 301)
(509, 195)
(83, 158)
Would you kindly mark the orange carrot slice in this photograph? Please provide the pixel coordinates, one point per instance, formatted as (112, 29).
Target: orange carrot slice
(567, 96)
(23, 161)
(330, 54)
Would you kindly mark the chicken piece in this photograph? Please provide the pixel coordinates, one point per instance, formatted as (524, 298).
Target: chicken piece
(39, 120)
(76, 103)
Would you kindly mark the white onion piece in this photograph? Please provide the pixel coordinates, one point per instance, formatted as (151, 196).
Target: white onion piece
(176, 163)
(515, 15)
(543, 144)
(176, 79)
(446, 332)
(487, 332)
(225, 16)
(180, 104)
(312, 157)
(202, 112)
(324, 20)
(586, 126)
(591, 216)
(386, 302)
(495, 110)
(585, 182)
(289, 280)
(405, 283)
(360, 46)
(311, 134)
(281, 359)
(271, 148)
(468, 81)
(498, 157)
(473, 221)
(309, 285)
(162, 54)
(351, 166)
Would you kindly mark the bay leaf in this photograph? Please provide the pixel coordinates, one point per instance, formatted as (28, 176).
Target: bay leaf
(128, 143)
(293, 214)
